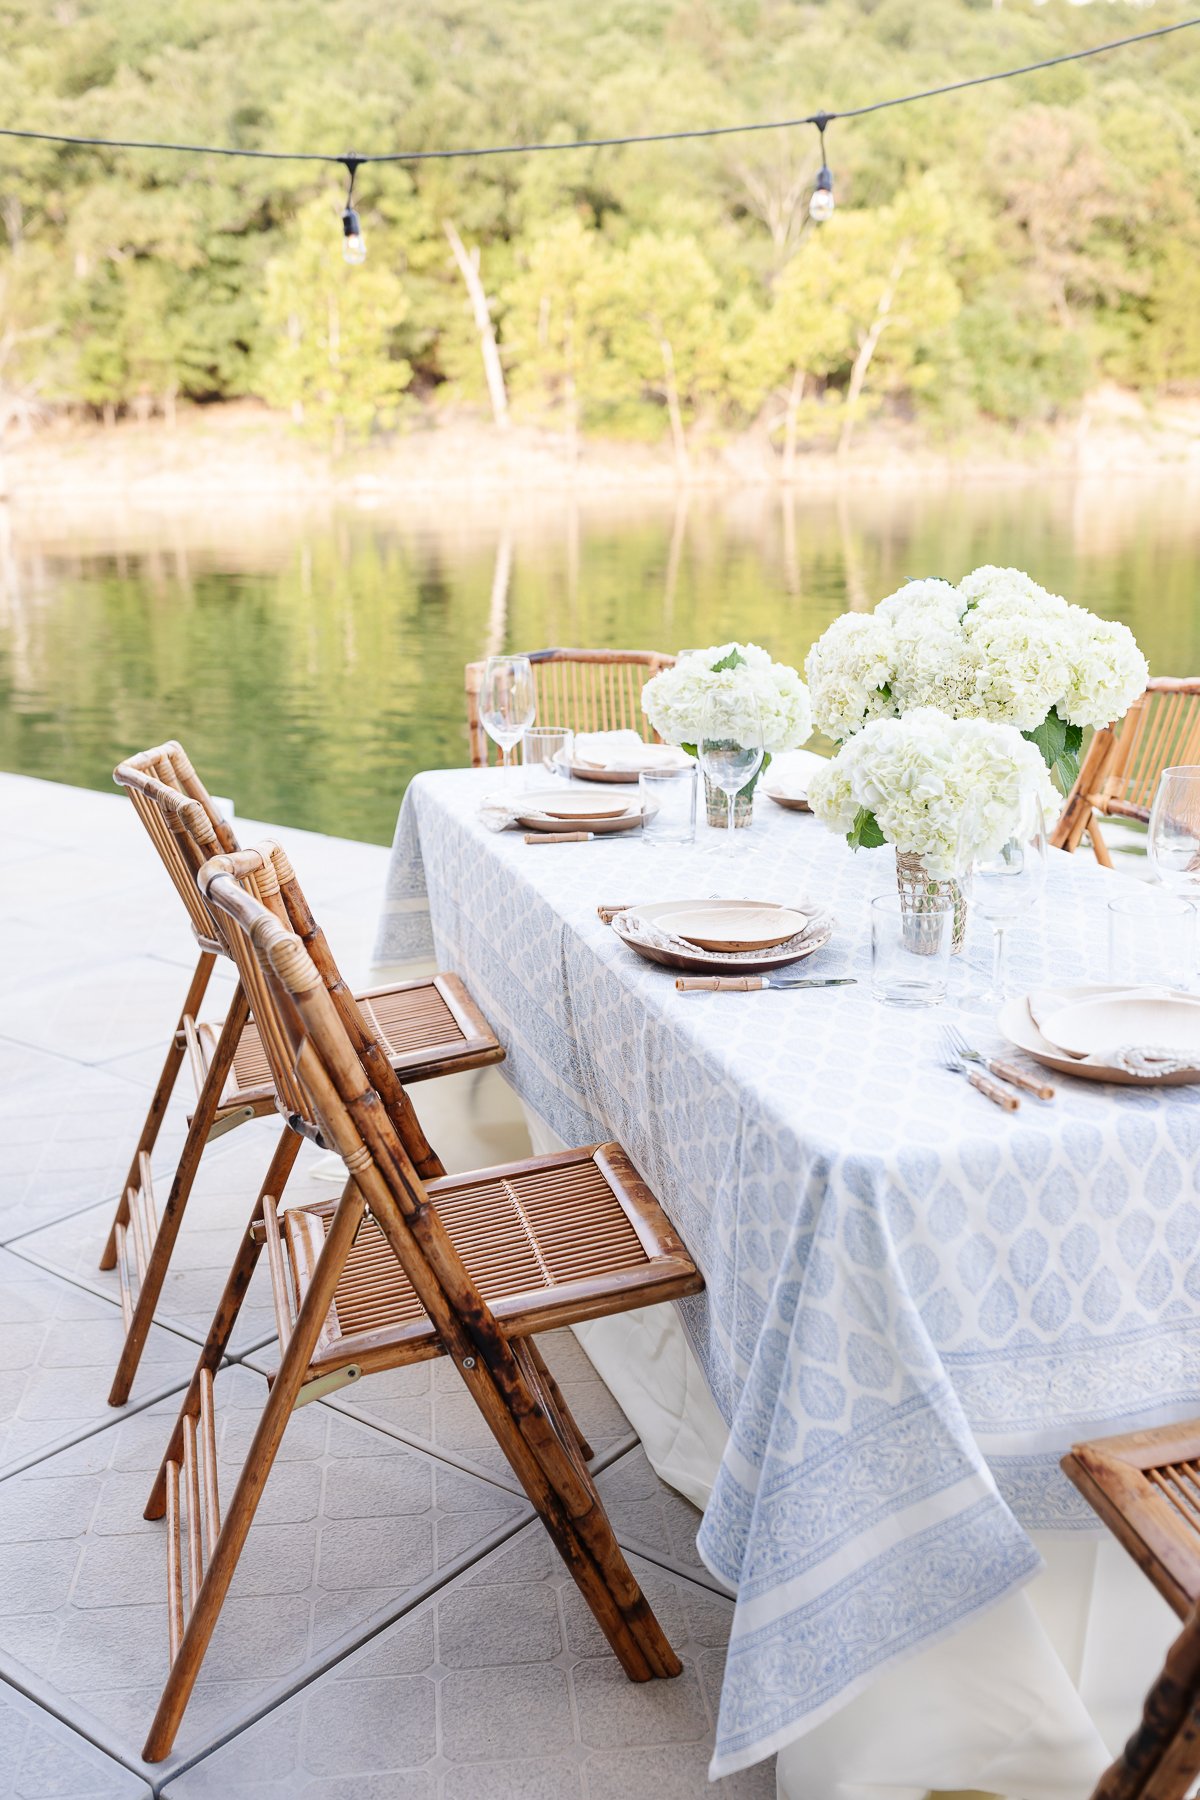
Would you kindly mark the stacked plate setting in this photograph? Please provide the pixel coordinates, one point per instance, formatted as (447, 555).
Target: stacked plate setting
(1135, 1036)
(558, 809)
(723, 937)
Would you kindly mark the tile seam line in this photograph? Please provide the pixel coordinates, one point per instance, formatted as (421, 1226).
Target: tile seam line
(119, 1414)
(343, 1648)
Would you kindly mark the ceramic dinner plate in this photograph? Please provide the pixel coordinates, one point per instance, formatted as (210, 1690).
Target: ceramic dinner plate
(1016, 1023)
(734, 926)
(560, 803)
(630, 818)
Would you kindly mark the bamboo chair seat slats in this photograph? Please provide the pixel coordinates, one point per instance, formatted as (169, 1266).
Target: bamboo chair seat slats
(408, 1264)
(580, 690)
(1121, 769)
(543, 1246)
(1146, 1488)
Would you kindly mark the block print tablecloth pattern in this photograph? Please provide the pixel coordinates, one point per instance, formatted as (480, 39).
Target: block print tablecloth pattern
(915, 1302)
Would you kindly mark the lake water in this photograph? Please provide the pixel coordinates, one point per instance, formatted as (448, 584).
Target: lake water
(312, 665)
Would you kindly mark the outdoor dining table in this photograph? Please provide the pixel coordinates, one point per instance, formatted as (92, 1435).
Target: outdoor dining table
(915, 1301)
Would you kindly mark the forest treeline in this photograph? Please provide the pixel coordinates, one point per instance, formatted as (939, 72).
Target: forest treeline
(993, 253)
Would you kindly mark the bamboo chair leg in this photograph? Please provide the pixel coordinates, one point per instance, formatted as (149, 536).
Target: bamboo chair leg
(588, 1546)
(1102, 853)
(556, 1394)
(150, 1288)
(207, 1603)
(228, 1307)
(160, 1101)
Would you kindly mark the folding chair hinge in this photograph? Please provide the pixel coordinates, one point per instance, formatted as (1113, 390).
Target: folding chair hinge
(328, 1384)
(229, 1122)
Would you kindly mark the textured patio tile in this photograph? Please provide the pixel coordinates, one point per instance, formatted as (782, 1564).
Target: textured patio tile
(352, 1528)
(651, 1518)
(43, 1759)
(68, 1133)
(103, 1013)
(58, 1348)
(218, 1210)
(428, 1404)
(500, 1687)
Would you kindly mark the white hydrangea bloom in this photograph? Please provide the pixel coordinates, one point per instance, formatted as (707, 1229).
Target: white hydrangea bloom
(998, 647)
(1107, 671)
(849, 670)
(674, 701)
(947, 790)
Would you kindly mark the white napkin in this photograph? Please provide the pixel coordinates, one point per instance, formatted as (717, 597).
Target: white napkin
(623, 751)
(790, 773)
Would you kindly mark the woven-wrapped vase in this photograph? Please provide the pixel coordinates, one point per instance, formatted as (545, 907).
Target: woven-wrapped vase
(715, 803)
(916, 886)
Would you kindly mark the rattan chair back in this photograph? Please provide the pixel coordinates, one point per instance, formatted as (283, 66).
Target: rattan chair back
(1124, 761)
(161, 782)
(581, 690)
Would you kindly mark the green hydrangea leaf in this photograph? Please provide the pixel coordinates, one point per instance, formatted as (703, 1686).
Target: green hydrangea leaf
(865, 834)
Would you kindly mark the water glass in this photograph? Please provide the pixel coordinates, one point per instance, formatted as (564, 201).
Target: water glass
(547, 752)
(1007, 883)
(668, 801)
(910, 951)
(1152, 938)
(731, 742)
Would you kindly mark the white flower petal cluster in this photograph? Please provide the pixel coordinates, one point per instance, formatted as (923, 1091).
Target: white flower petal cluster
(945, 789)
(674, 701)
(995, 647)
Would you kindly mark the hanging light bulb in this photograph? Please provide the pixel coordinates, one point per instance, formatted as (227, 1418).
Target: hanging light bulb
(354, 245)
(821, 206)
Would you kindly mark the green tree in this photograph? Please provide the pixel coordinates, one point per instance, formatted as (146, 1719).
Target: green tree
(333, 361)
(555, 308)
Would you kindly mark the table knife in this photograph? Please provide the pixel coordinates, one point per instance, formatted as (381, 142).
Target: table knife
(749, 984)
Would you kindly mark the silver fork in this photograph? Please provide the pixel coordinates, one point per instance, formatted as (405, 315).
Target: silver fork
(991, 1090)
(997, 1066)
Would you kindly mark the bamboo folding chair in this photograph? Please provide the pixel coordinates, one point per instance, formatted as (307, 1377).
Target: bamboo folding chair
(581, 690)
(399, 1270)
(429, 1027)
(1124, 761)
(1146, 1488)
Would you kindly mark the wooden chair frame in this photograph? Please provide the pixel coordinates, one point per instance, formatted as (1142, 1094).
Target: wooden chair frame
(337, 1089)
(583, 690)
(1145, 1486)
(185, 828)
(1124, 761)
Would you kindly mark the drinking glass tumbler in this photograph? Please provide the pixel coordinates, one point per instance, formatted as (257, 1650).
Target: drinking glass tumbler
(910, 951)
(1152, 938)
(668, 799)
(546, 752)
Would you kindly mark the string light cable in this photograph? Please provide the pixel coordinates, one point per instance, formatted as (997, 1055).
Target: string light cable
(821, 205)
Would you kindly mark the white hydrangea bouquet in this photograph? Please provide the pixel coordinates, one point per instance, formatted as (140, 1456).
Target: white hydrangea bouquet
(674, 702)
(996, 647)
(942, 790)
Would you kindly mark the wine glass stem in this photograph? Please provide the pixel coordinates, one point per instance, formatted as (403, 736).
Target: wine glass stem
(998, 963)
(729, 825)
(506, 751)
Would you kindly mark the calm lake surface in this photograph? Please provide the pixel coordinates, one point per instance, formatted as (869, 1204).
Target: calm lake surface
(311, 665)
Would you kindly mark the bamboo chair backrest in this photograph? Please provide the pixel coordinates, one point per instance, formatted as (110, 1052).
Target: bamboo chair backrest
(1160, 731)
(268, 878)
(1161, 1759)
(336, 1089)
(581, 690)
(162, 784)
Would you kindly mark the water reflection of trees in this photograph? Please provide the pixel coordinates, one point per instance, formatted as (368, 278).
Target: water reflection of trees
(314, 665)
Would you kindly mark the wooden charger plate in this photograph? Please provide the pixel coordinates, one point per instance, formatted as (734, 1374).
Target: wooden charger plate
(629, 819)
(590, 772)
(787, 802)
(1016, 1022)
(710, 962)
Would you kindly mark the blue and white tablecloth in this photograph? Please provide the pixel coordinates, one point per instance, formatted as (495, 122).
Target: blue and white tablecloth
(914, 1303)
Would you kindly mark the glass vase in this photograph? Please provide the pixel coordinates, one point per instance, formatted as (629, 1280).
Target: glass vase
(715, 805)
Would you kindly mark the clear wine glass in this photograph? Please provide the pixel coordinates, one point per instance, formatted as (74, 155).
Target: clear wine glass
(1007, 883)
(507, 702)
(731, 743)
(1173, 835)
